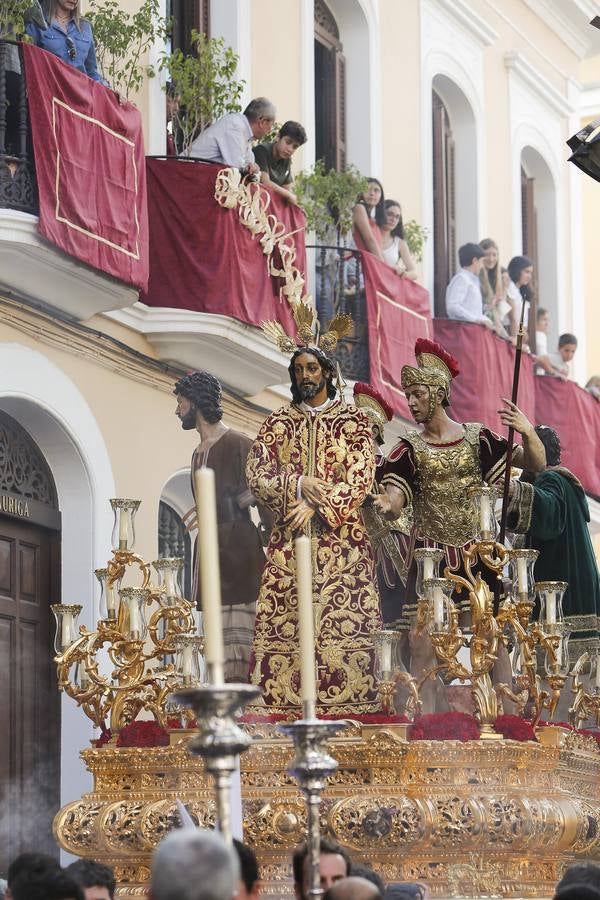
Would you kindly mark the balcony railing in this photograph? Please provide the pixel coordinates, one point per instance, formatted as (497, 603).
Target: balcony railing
(340, 290)
(17, 173)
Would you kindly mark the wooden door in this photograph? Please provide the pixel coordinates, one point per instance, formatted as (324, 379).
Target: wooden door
(30, 710)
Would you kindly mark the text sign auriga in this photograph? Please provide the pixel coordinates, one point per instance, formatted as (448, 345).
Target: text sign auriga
(28, 510)
(14, 506)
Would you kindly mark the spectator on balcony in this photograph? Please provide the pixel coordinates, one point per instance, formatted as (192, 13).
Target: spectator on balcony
(493, 280)
(393, 246)
(520, 273)
(463, 295)
(229, 140)
(68, 36)
(567, 345)
(273, 159)
(368, 217)
(544, 364)
(593, 387)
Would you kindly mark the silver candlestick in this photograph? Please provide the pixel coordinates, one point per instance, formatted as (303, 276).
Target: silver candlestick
(220, 739)
(311, 767)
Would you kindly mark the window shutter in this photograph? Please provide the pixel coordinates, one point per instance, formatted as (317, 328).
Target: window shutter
(444, 204)
(340, 110)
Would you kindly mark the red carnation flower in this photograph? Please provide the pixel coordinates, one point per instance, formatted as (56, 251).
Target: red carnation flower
(514, 728)
(143, 734)
(449, 726)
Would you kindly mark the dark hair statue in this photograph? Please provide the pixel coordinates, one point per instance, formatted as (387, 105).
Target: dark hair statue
(248, 865)
(89, 873)
(580, 874)
(551, 442)
(203, 390)
(325, 363)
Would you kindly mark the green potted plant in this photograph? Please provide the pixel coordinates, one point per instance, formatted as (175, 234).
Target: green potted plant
(328, 199)
(12, 18)
(122, 39)
(206, 83)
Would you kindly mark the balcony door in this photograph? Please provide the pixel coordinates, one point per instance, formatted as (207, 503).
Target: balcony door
(187, 15)
(30, 707)
(330, 90)
(444, 204)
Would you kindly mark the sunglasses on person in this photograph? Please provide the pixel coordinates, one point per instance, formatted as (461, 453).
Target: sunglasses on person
(71, 49)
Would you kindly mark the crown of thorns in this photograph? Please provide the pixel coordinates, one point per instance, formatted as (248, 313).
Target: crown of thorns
(308, 331)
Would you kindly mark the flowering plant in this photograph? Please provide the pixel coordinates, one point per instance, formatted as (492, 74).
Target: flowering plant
(515, 728)
(176, 722)
(448, 726)
(143, 734)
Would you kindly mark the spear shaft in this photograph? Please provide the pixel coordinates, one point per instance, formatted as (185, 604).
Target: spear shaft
(511, 431)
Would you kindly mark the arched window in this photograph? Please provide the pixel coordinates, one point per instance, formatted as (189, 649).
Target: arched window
(173, 540)
(187, 15)
(444, 203)
(330, 90)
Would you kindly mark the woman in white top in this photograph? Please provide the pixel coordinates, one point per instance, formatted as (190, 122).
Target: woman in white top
(520, 272)
(393, 246)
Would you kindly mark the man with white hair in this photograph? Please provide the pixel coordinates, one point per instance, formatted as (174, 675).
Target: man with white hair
(194, 864)
(229, 139)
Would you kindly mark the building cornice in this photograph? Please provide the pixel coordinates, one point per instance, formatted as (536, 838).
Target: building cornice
(516, 63)
(566, 27)
(465, 15)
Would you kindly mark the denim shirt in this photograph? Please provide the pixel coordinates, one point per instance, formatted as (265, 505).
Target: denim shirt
(55, 40)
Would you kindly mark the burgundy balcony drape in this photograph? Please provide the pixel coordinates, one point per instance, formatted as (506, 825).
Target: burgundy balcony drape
(398, 313)
(89, 162)
(202, 257)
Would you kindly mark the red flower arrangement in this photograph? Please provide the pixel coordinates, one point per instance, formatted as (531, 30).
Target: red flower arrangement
(514, 728)
(143, 734)
(104, 738)
(448, 726)
(175, 723)
(363, 718)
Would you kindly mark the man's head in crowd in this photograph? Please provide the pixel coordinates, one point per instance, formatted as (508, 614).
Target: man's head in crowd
(363, 871)
(291, 136)
(260, 113)
(470, 257)
(567, 345)
(249, 883)
(353, 888)
(98, 881)
(334, 865)
(194, 864)
(35, 876)
(580, 874)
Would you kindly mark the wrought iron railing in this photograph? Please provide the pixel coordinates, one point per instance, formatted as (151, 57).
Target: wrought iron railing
(18, 188)
(340, 288)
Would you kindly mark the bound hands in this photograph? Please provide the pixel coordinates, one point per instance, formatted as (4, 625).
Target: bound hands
(314, 491)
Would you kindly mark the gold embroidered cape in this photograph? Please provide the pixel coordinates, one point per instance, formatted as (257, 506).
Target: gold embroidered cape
(336, 445)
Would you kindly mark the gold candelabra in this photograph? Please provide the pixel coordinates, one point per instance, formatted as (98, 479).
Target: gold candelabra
(471, 636)
(145, 644)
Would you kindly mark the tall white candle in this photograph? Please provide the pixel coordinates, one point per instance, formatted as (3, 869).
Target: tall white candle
(598, 671)
(306, 628)
(438, 605)
(110, 598)
(522, 575)
(551, 607)
(210, 579)
(484, 512)
(135, 624)
(169, 582)
(386, 658)
(427, 568)
(65, 631)
(186, 661)
(122, 529)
